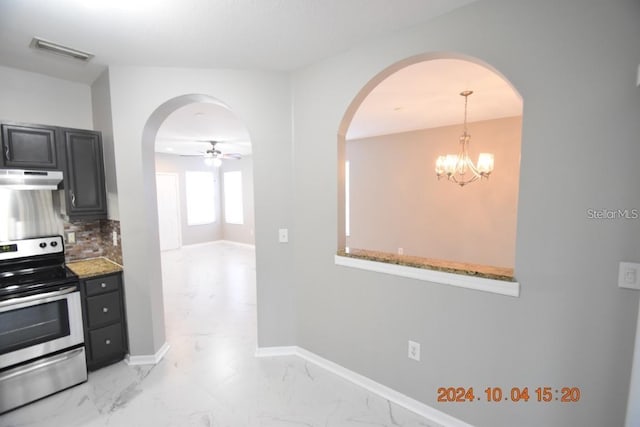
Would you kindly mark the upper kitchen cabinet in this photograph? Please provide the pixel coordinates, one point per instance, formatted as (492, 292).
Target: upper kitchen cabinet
(84, 194)
(26, 146)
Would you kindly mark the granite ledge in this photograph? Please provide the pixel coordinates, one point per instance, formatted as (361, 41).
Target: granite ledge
(474, 270)
(93, 267)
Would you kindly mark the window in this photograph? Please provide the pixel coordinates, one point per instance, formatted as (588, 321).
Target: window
(201, 207)
(233, 212)
(347, 200)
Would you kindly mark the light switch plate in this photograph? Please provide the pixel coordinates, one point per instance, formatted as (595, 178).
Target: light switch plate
(283, 235)
(414, 350)
(629, 275)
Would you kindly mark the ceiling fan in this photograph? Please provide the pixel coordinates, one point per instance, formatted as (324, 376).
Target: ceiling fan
(217, 154)
(213, 156)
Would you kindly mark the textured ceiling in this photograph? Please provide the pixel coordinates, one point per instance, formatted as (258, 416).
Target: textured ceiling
(253, 34)
(256, 34)
(187, 130)
(427, 95)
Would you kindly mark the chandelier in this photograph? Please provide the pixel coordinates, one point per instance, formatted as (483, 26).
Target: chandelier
(459, 168)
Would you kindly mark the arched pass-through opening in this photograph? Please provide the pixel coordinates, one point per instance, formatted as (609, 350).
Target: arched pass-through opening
(397, 217)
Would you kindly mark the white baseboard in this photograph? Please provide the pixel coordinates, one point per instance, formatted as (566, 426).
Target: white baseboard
(381, 390)
(217, 242)
(152, 359)
(276, 351)
(231, 242)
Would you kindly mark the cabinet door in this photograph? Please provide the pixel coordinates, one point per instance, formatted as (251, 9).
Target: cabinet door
(29, 146)
(84, 180)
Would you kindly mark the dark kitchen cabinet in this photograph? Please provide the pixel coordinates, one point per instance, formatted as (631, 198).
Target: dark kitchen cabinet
(84, 193)
(104, 319)
(26, 146)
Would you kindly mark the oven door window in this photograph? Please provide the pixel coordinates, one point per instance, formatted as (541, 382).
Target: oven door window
(28, 326)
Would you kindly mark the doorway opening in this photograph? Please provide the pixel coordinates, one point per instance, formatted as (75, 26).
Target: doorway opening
(207, 262)
(199, 147)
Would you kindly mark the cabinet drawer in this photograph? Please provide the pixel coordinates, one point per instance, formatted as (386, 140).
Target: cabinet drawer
(101, 285)
(103, 309)
(106, 342)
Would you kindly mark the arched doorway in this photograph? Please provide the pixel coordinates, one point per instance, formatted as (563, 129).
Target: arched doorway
(153, 282)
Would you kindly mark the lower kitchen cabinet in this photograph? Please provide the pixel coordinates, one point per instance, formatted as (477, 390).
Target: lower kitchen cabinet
(104, 319)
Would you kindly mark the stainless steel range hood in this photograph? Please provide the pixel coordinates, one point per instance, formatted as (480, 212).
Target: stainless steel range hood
(21, 179)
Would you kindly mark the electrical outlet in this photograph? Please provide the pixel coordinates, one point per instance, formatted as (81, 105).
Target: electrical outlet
(400, 251)
(414, 350)
(71, 237)
(114, 236)
(629, 275)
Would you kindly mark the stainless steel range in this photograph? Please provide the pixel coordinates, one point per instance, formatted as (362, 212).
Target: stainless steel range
(41, 332)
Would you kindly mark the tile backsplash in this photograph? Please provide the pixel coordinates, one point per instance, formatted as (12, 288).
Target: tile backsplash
(94, 238)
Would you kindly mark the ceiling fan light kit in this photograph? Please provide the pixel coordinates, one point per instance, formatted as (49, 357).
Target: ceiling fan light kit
(213, 156)
(212, 161)
(459, 168)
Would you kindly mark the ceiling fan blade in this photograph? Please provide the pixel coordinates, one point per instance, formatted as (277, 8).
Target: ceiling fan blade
(233, 156)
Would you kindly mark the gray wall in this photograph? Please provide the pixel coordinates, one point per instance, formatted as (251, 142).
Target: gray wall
(191, 234)
(397, 201)
(141, 99)
(220, 230)
(574, 62)
(35, 98)
(101, 107)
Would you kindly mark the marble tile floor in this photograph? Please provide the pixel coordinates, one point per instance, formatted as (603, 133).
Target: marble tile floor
(210, 376)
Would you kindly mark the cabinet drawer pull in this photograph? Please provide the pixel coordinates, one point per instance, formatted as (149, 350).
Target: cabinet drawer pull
(107, 342)
(105, 309)
(103, 285)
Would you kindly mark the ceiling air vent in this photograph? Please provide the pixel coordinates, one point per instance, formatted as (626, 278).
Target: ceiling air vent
(45, 45)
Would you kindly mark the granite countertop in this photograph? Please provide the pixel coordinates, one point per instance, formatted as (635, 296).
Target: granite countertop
(93, 267)
(476, 270)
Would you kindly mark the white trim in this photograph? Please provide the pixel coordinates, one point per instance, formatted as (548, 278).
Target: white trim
(246, 245)
(276, 351)
(383, 391)
(500, 287)
(218, 242)
(152, 359)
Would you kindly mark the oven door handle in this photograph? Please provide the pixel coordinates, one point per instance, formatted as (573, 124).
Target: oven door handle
(38, 297)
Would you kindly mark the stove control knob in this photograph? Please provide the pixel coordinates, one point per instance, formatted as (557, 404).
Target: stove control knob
(42, 245)
(54, 244)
